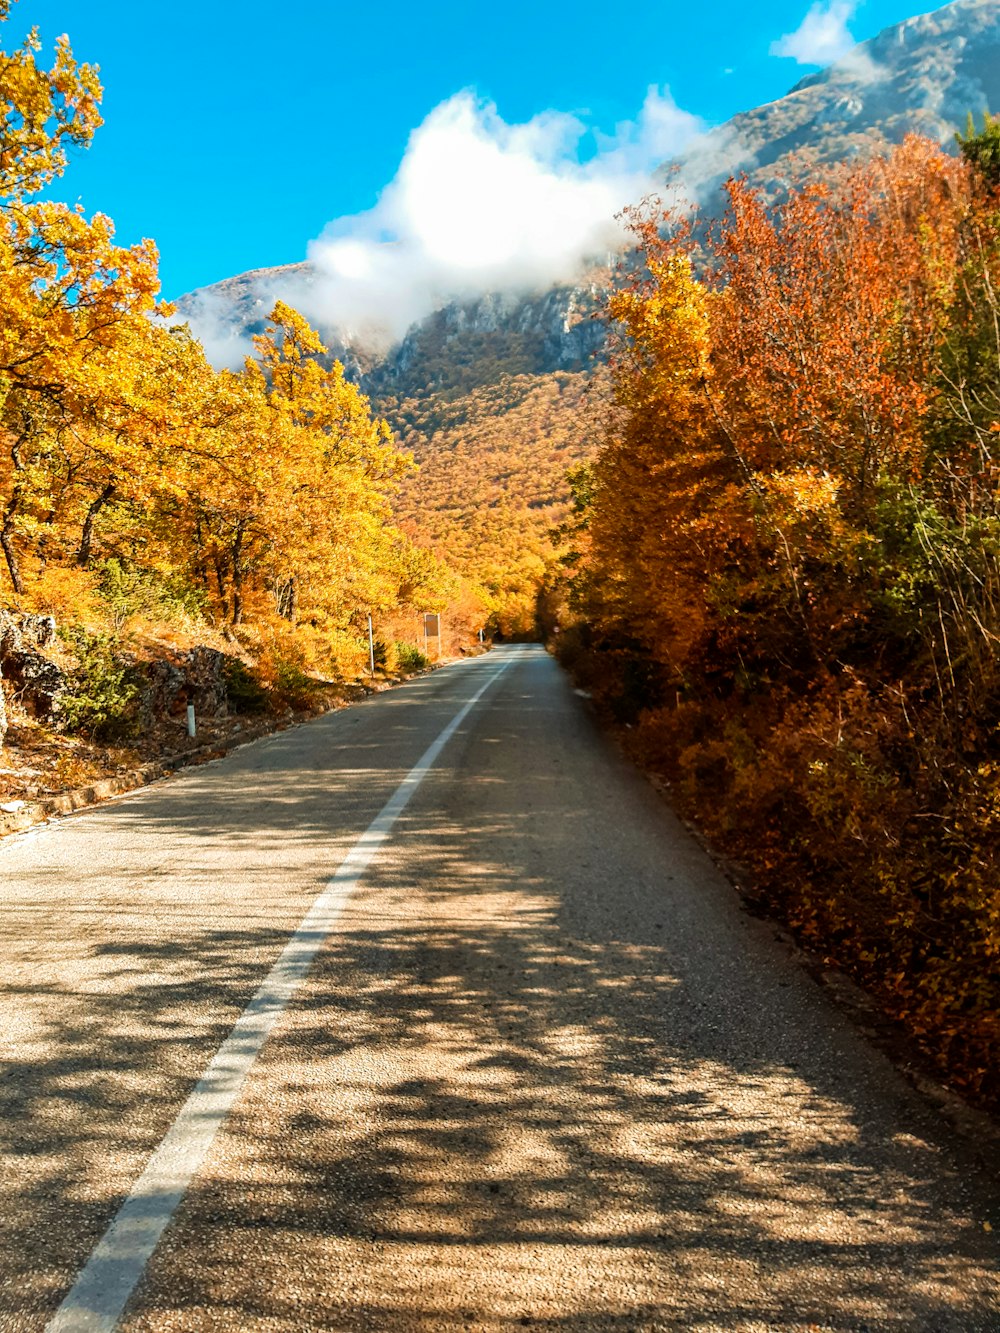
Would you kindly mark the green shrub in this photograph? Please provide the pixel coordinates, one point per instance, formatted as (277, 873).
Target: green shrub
(385, 655)
(293, 687)
(103, 690)
(410, 659)
(245, 692)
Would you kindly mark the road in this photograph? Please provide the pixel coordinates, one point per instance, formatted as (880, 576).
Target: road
(543, 1071)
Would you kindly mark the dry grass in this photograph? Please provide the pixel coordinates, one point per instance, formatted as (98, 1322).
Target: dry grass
(38, 761)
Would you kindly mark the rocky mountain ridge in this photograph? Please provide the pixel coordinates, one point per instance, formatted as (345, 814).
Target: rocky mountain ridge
(924, 75)
(458, 347)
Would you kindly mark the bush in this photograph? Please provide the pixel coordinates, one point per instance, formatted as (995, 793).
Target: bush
(386, 657)
(347, 653)
(103, 691)
(293, 687)
(868, 832)
(245, 692)
(410, 659)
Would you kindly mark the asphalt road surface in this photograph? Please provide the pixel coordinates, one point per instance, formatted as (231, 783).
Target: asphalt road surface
(529, 1064)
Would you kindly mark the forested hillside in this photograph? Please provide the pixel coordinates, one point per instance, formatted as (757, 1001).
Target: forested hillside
(493, 397)
(785, 574)
(492, 480)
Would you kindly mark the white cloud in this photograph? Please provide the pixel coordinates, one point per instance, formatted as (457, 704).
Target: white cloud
(860, 66)
(478, 205)
(822, 37)
(211, 319)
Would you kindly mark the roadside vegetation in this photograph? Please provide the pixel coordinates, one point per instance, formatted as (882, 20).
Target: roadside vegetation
(782, 574)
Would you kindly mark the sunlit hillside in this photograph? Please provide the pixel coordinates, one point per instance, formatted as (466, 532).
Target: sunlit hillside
(492, 482)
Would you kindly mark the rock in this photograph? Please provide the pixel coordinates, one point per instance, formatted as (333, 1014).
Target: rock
(206, 681)
(38, 682)
(40, 630)
(168, 686)
(162, 690)
(11, 639)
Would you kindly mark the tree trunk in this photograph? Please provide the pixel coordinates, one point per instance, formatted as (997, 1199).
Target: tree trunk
(10, 514)
(288, 599)
(220, 583)
(10, 555)
(200, 561)
(87, 533)
(238, 576)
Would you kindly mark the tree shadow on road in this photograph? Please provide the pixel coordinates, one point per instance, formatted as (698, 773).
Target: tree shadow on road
(546, 1075)
(540, 1080)
(131, 937)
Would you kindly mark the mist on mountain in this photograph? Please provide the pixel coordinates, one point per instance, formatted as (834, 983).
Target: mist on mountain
(477, 205)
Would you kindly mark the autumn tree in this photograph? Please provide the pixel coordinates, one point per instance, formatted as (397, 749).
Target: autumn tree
(791, 566)
(42, 113)
(68, 292)
(263, 491)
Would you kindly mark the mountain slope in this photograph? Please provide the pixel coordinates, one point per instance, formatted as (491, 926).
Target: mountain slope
(923, 76)
(492, 479)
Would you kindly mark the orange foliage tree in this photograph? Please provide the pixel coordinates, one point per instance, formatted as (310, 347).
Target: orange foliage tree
(791, 577)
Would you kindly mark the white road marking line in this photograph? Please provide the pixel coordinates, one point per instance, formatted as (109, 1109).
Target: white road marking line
(97, 1299)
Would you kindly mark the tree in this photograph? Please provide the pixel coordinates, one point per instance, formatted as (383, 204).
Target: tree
(70, 296)
(42, 113)
(982, 149)
(67, 291)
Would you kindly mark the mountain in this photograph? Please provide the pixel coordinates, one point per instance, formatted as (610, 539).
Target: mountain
(923, 76)
(456, 348)
(472, 343)
(488, 393)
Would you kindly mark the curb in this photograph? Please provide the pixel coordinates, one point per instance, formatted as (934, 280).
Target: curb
(32, 813)
(66, 802)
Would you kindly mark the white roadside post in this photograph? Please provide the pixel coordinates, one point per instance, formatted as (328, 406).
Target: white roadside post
(192, 728)
(371, 646)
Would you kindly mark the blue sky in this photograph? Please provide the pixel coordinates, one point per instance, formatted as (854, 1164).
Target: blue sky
(236, 133)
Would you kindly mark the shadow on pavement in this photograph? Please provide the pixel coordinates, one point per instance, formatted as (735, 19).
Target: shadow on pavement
(548, 1077)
